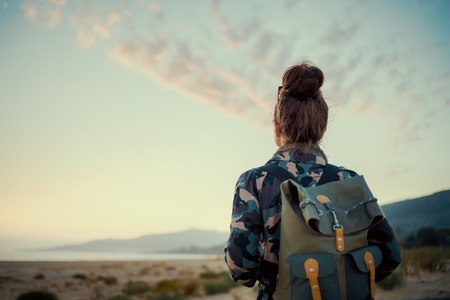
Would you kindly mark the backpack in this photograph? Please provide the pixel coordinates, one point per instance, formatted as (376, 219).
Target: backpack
(335, 242)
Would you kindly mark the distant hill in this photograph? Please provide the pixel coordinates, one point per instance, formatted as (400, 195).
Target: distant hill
(156, 243)
(408, 216)
(405, 217)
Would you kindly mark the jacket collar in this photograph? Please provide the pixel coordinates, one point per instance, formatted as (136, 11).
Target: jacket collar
(304, 153)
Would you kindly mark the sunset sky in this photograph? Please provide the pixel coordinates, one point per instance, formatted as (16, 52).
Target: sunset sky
(125, 118)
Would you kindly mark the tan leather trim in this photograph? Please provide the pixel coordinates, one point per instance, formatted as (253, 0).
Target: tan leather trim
(312, 272)
(368, 259)
(323, 199)
(339, 233)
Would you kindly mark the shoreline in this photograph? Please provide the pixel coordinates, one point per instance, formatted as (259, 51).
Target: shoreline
(26, 264)
(101, 256)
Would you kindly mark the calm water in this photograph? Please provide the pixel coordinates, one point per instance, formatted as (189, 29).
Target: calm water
(96, 256)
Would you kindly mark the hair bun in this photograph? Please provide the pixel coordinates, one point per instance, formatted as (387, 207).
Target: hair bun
(311, 83)
(303, 81)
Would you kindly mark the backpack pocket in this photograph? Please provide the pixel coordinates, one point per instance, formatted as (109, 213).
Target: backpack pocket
(314, 276)
(360, 265)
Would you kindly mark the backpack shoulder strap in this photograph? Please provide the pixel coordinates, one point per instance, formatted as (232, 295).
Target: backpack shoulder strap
(279, 172)
(329, 174)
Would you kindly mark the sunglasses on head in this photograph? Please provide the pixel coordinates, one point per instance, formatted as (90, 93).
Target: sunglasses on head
(279, 90)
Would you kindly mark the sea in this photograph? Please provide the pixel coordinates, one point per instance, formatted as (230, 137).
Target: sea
(40, 255)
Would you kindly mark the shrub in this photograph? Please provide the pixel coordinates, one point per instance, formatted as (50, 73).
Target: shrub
(427, 258)
(144, 271)
(190, 288)
(37, 295)
(212, 288)
(218, 287)
(8, 278)
(108, 280)
(428, 236)
(80, 276)
(120, 297)
(136, 287)
(208, 274)
(225, 275)
(39, 276)
(392, 281)
(168, 285)
(168, 296)
(220, 282)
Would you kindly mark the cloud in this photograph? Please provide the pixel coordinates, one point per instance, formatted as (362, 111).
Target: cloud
(339, 34)
(236, 33)
(49, 13)
(175, 66)
(404, 132)
(154, 6)
(233, 36)
(30, 10)
(90, 26)
(233, 61)
(263, 47)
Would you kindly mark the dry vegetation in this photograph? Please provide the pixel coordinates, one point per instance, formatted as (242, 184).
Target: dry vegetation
(115, 280)
(423, 275)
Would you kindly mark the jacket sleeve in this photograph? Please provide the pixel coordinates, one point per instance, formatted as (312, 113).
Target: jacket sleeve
(242, 251)
(383, 236)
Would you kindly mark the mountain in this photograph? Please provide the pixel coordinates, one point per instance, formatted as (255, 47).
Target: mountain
(405, 217)
(409, 216)
(157, 243)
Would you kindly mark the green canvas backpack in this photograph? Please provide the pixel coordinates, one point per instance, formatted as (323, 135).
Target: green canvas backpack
(335, 242)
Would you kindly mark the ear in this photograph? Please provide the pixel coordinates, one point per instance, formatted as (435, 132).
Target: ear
(276, 129)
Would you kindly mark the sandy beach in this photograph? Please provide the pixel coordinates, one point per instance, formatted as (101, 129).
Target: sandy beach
(188, 278)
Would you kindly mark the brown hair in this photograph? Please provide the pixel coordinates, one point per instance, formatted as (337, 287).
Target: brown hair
(301, 112)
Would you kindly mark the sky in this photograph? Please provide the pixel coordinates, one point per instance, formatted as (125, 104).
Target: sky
(125, 118)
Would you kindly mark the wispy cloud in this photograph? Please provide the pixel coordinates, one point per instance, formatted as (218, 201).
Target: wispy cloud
(234, 33)
(234, 63)
(90, 26)
(30, 10)
(339, 34)
(50, 12)
(176, 66)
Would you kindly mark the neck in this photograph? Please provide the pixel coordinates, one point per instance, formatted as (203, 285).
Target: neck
(283, 140)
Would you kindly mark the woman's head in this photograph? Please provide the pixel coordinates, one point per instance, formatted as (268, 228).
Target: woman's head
(301, 113)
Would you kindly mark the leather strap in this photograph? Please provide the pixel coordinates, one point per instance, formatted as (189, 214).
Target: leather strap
(312, 272)
(339, 234)
(368, 259)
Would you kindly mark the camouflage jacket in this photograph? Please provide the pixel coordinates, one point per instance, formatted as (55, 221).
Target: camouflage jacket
(252, 249)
